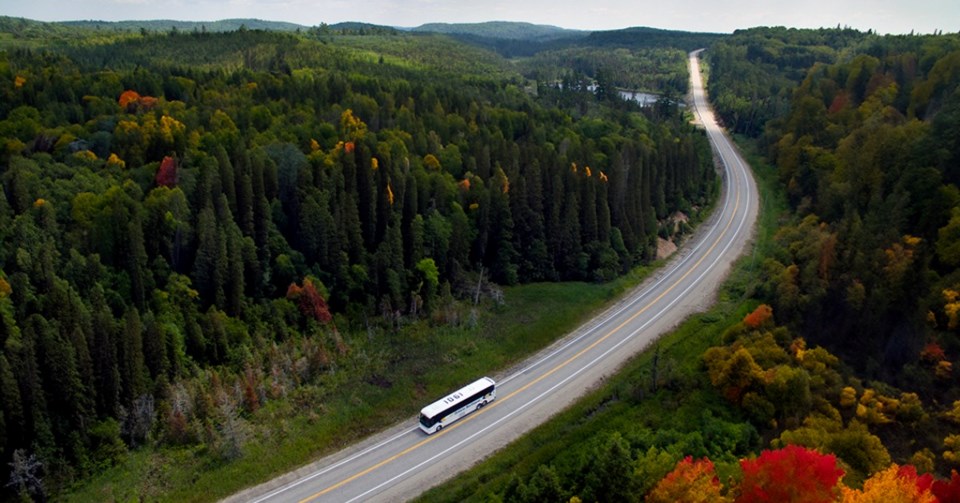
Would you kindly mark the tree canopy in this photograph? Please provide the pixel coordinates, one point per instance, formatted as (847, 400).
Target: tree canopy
(184, 212)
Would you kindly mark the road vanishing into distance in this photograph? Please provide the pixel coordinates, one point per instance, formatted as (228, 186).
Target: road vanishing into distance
(402, 462)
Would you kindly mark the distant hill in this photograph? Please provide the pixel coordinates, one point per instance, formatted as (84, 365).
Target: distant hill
(641, 37)
(512, 39)
(354, 27)
(509, 39)
(168, 24)
(504, 30)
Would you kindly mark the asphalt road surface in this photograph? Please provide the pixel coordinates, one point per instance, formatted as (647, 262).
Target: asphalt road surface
(402, 462)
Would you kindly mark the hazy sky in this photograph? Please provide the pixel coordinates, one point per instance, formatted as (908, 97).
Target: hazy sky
(884, 16)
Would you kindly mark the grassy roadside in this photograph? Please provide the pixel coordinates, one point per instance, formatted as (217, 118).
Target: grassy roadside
(386, 378)
(681, 395)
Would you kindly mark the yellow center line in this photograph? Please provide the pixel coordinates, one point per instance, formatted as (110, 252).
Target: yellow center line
(538, 379)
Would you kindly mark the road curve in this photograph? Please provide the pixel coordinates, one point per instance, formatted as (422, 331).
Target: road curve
(402, 462)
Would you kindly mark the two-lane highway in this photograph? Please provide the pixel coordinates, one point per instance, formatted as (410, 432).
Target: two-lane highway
(401, 463)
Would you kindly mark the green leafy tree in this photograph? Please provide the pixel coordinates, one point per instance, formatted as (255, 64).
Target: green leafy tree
(611, 475)
(429, 280)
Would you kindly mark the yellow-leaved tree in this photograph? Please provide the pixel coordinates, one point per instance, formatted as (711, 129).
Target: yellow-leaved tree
(894, 485)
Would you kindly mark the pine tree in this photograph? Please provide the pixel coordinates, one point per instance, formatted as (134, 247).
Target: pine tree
(567, 255)
(414, 251)
(154, 346)
(210, 262)
(245, 205)
(310, 229)
(6, 217)
(26, 366)
(358, 163)
(133, 371)
(500, 254)
(231, 267)
(234, 286)
(103, 351)
(11, 405)
(390, 271)
(65, 395)
(460, 241)
(227, 179)
(529, 238)
(261, 203)
(589, 228)
(136, 259)
(409, 213)
(603, 208)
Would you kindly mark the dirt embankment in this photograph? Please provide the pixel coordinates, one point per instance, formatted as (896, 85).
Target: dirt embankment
(667, 247)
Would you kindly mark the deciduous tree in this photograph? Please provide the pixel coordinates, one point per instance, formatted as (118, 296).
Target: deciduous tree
(793, 473)
(689, 482)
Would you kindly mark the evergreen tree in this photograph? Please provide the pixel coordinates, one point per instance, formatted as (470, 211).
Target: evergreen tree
(227, 177)
(103, 351)
(154, 347)
(501, 255)
(460, 239)
(210, 262)
(15, 431)
(389, 259)
(311, 233)
(133, 371)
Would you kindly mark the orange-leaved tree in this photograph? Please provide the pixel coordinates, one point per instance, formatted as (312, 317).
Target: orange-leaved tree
(759, 316)
(691, 482)
(127, 98)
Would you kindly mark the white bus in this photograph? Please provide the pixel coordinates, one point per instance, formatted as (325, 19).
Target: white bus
(465, 400)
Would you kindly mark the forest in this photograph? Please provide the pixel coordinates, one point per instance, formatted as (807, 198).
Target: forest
(829, 370)
(867, 154)
(197, 228)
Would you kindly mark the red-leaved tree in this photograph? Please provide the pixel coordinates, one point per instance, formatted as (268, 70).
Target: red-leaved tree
(309, 300)
(923, 482)
(947, 491)
(791, 474)
(167, 173)
(933, 352)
